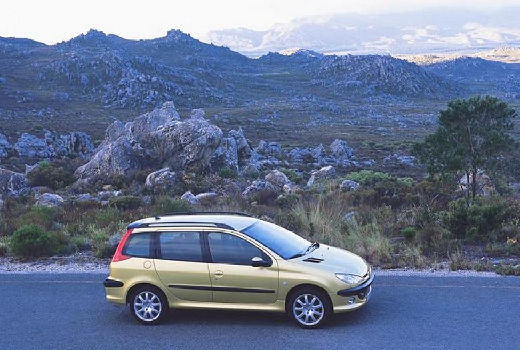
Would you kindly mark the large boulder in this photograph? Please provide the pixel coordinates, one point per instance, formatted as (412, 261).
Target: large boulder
(12, 183)
(277, 179)
(307, 155)
(260, 188)
(323, 173)
(348, 185)
(5, 146)
(49, 200)
(155, 139)
(273, 149)
(341, 153)
(399, 159)
(161, 181)
(243, 147)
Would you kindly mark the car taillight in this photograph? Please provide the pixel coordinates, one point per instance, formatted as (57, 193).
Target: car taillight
(118, 255)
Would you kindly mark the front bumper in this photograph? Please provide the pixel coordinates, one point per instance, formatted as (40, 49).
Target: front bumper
(353, 298)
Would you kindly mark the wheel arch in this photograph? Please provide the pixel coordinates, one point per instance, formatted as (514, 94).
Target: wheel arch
(144, 284)
(303, 286)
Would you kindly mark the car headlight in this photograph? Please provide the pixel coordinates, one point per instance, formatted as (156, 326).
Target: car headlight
(349, 279)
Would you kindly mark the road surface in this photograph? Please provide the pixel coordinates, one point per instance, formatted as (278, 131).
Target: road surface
(69, 311)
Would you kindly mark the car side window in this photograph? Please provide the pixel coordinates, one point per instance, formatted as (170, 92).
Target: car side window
(138, 245)
(181, 246)
(229, 249)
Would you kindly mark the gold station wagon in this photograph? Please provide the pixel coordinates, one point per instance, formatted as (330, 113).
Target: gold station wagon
(236, 262)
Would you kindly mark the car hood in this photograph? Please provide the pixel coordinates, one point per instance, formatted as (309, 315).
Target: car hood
(335, 260)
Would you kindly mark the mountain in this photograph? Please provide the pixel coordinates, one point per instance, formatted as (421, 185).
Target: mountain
(87, 81)
(424, 31)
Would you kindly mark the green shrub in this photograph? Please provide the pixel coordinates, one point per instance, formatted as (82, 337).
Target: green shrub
(483, 220)
(125, 202)
(54, 175)
(41, 216)
(368, 241)
(228, 173)
(290, 220)
(33, 241)
(292, 175)
(287, 200)
(165, 204)
(100, 244)
(107, 216)
(368, 177)
(409, 233)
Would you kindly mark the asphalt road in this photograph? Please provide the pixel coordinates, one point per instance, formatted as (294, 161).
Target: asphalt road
(57, 311)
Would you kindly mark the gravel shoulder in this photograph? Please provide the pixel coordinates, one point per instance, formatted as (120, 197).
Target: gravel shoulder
(88, 263)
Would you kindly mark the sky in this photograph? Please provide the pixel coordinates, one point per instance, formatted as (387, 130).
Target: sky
(52, 21)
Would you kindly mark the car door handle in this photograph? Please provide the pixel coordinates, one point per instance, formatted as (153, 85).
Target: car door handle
(218, 274)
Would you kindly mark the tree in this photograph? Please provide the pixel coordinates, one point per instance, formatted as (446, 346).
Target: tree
(472, 134)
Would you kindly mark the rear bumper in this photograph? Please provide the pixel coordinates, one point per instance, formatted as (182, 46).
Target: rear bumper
(115, 293)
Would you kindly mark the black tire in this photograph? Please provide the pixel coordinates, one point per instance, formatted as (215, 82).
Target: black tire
(156, 307)
(300, 316)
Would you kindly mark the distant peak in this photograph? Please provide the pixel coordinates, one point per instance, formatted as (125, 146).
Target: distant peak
(300, 52)
(176, 34)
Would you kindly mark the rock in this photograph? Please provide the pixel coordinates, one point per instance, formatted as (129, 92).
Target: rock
(291, 188)
(2, 203)
(399, 160)
(323, 173)
(484, 186)
(198, 113)
(250, 170)
(350, 217)
(113, 240)
(161, 181)
(206, 198)
(243, 147)
(277, 178)
(106, 195)
(38, 190)
(146, 200)
(12, 183)
(340, 149)
(49, 200)
(349, 185)
(226, 155)
(54, 145)
(261, 188)
(307, 155)
(273, 149)
(5, 146)
(85, 198)
(341, 152)
(190, 198)
(155, 139)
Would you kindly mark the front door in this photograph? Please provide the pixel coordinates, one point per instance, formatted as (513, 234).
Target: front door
(181, 266)
(233, 278)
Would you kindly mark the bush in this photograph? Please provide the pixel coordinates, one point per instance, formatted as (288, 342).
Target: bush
(41, 216)
(33, 241)
(368, 177)
(409, 233)
(54, 175)
(228, 173)
(125, 202)
(483, 220)
(368, 241)
(165, 204)
(287, 200)
(107, 216)
(292, 175)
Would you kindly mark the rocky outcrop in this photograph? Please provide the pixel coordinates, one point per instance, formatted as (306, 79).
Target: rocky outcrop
(260, 188)
(397, 159)
(161, 181)
(277, 178)
(156, 139)
(484, 185)
(5, 146)
(341, 153)
(53, 145)
(12, 183)
(49, 200)
(307, 155)
(201, 198)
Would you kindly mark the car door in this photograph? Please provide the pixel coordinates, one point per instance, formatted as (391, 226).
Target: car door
(233, 278)
(181, 266)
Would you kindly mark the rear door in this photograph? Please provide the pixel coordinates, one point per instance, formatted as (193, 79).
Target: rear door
(233, 278)
(181, 266)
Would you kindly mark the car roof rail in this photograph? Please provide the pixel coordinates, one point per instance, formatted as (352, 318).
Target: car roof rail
(203, 213)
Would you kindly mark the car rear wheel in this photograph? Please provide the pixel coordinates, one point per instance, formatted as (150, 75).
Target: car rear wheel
(148, 305)
(309, 307)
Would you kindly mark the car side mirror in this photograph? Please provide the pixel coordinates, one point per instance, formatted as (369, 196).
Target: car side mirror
(257, 262)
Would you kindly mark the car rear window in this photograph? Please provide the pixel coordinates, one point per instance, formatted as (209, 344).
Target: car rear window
(138, 245)
(181, 246)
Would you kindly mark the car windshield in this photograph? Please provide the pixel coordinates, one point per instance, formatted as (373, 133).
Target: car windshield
(283, 242)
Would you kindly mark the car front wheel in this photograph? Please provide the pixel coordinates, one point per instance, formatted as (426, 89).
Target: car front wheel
(148, 305)
(309, 307)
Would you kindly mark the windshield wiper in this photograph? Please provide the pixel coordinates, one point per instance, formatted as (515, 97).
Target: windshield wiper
(312, 247)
